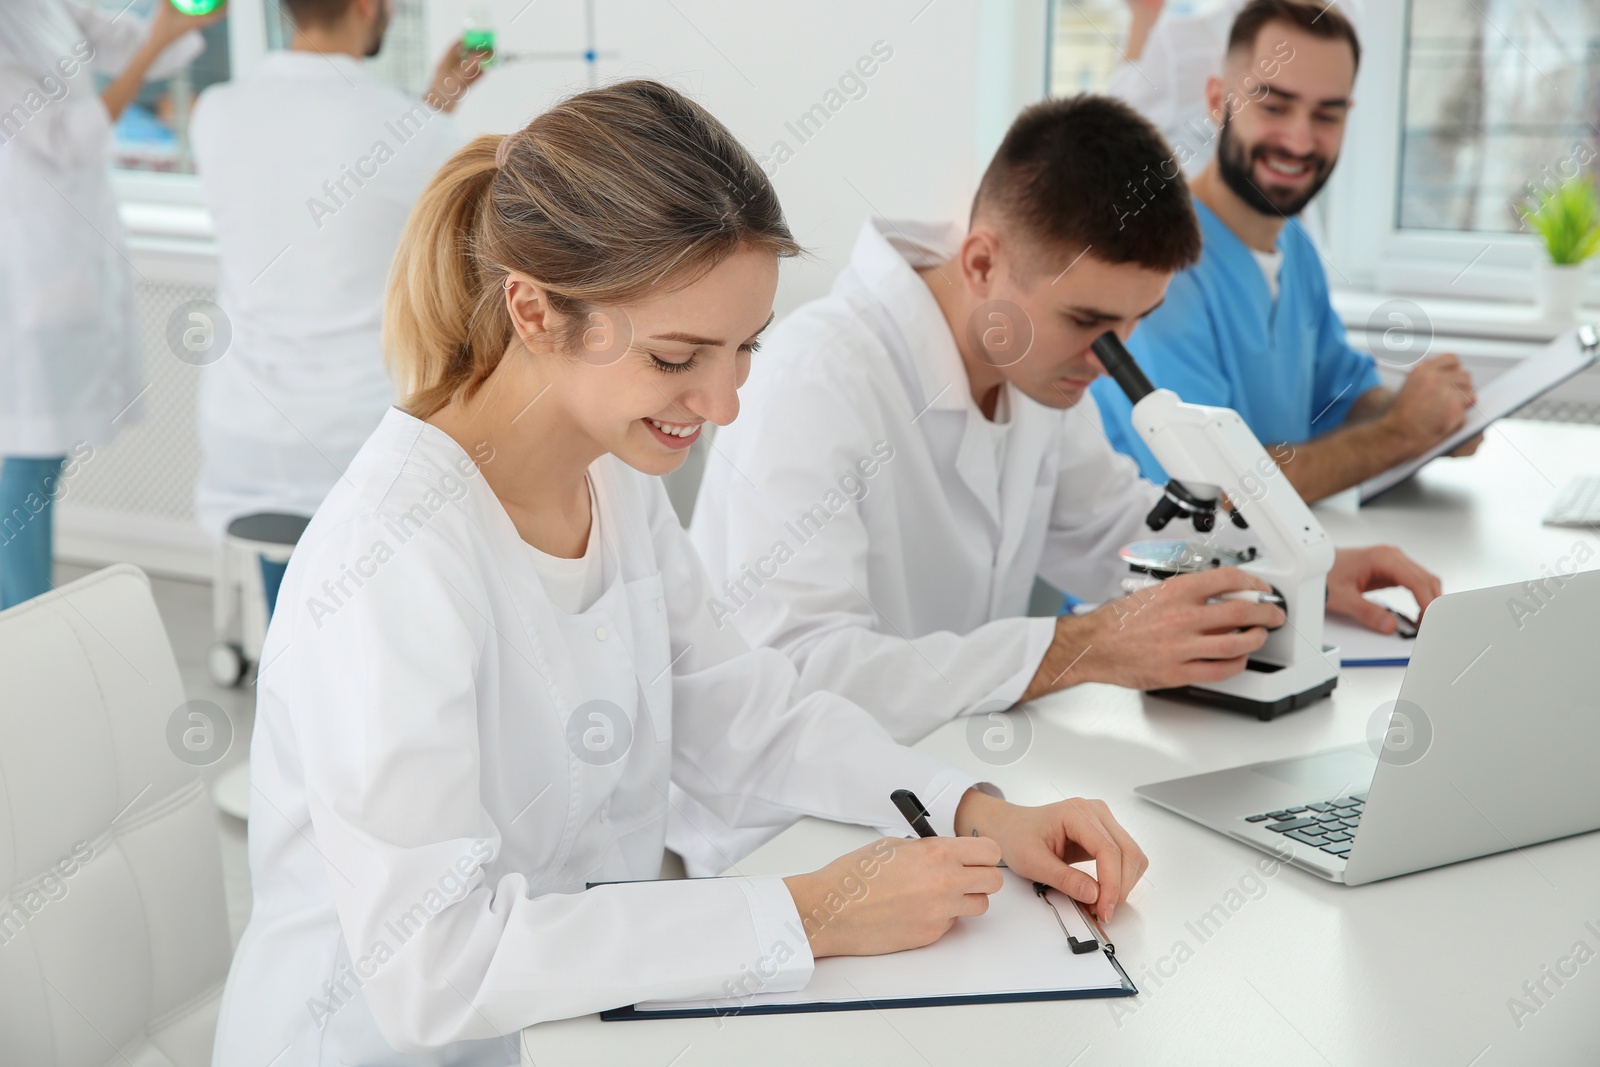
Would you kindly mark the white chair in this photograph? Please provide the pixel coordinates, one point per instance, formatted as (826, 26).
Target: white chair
(114, 939)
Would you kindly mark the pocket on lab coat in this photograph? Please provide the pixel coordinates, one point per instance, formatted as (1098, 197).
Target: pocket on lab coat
(652, 651)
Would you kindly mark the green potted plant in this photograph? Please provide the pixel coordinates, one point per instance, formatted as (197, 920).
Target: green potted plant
(1567, 218)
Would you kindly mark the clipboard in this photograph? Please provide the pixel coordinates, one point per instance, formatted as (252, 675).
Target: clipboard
(1361, 647)
(1562, 358)
(1027, 947)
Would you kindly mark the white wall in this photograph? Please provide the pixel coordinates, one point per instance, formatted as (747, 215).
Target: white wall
(913, 144)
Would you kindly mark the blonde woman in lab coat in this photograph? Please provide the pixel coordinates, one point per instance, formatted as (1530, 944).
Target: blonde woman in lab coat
(69, 344)
(493, 648)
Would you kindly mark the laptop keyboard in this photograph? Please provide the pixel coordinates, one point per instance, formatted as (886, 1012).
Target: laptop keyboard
(1328, 824)
(1577, 504)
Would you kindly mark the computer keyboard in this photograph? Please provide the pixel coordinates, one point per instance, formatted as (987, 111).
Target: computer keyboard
(1578, 503)
(1328, 824)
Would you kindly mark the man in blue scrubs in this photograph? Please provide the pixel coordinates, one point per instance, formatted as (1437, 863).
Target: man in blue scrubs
(1250, 326)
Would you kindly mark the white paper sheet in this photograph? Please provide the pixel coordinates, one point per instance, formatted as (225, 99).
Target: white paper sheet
(1361, 647)
(1014, 947)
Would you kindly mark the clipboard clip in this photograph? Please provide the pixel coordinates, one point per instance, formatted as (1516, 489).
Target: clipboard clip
(1078, 946)
(1588, 337)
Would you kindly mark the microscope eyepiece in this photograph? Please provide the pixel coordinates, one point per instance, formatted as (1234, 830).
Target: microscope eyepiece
(1119, 363)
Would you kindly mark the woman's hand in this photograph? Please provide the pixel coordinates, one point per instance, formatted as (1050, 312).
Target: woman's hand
(1361, 570)
(1040, 843)
(894, 894)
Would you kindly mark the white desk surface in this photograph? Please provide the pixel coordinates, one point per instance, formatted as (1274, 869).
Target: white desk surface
(1414, 970)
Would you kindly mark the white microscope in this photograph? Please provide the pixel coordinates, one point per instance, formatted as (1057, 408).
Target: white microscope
(1207, 452)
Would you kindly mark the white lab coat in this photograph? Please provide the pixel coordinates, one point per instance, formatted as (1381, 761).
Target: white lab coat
(310, 167)
(419, 751)
(911, 601)
(70, 357)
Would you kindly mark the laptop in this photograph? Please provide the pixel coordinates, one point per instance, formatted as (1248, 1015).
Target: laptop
(1490, 746)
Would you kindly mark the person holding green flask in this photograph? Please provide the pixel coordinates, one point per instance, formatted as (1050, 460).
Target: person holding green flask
(309, 165)
(70, 361)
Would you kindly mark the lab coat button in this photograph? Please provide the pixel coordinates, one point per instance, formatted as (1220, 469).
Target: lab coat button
(599, 633)
(605, 812)
(658, 603)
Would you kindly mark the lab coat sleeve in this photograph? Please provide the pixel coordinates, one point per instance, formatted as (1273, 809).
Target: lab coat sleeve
(63, 125)
(1170, 75)
(798, 450)
(1179, 349)
(1147, 84)
(382, 693)
(1100, 504)
(755, 749)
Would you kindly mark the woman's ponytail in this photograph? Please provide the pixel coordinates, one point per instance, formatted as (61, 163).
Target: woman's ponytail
(443, 328)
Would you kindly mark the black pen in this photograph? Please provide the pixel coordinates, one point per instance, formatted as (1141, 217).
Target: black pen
(1405, 625)
(915, 813)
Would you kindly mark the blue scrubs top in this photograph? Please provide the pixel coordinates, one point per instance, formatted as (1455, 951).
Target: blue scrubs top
(1220, 339)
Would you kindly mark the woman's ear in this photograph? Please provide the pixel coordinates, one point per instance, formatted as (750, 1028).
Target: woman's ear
(528, 307)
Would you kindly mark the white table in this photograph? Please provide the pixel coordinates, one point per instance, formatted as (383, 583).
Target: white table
(1414, 970)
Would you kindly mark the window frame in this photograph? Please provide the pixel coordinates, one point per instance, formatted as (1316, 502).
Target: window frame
(1365, 241)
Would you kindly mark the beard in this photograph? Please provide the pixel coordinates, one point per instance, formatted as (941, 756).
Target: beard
(1234, 165)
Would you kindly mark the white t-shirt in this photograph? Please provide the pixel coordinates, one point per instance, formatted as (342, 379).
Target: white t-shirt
(573, 585)
(1271, 266)
(997, 429)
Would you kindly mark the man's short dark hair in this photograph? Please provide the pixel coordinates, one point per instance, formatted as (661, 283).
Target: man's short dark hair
(316, 12)
(1317, 19)
(1087, 172)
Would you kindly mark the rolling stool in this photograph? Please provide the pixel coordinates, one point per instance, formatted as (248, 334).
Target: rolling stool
(238, 601)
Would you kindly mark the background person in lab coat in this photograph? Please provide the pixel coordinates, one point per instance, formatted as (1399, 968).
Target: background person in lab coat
(917, 449)
(309, 166)
(493, 647)
(69, 347)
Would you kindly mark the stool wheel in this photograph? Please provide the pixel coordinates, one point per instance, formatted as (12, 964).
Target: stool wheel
(225, 663)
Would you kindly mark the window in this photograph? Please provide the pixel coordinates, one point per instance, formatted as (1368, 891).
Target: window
(1499, 98)
(1462, 110)
(1088, 38)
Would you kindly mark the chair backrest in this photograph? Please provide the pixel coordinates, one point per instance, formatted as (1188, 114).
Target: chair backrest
(114, 932)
